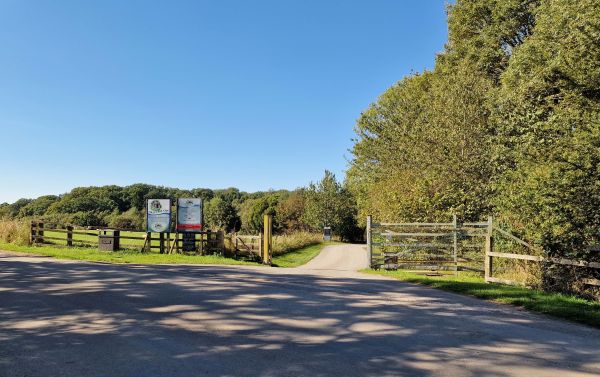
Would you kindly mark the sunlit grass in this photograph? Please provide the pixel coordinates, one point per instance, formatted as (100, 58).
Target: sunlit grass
(127, 256)
(300, 256)
(555, 304)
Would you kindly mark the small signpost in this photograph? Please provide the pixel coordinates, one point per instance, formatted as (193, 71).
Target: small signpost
(327, 233)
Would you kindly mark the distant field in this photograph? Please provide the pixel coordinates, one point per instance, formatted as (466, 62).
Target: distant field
(92, 240)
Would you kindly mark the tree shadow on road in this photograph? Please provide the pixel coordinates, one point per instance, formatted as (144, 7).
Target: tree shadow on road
(96, 320)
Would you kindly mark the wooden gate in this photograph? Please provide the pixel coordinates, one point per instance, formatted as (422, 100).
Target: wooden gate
(247, 246)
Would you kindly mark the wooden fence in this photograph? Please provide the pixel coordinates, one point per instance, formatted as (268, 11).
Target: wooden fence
(452, 246)
(206, 242)
(540, 257)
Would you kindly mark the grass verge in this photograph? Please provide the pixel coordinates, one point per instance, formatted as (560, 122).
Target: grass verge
(94, 255)
(300, 256)
(554, 304)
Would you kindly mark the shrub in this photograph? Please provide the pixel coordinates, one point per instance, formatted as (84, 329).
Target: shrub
(14, 231)
(289, 242)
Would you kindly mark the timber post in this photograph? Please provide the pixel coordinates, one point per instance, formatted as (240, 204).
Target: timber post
(370, 240)
(488, 262)
(69, 235)
(33, 233)
(267, 249)
(455, 242)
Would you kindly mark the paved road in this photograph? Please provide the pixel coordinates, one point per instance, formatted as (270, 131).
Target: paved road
(61, 318)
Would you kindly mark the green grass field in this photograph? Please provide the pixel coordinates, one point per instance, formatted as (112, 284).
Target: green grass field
(92, 254)
(300, 256)
(125, 256)
(88, 239)
(554, 304)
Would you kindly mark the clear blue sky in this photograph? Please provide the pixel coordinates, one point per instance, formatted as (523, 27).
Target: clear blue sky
(252, 94)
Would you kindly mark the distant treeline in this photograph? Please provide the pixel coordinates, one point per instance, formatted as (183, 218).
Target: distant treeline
(507, 123)
(326, 203)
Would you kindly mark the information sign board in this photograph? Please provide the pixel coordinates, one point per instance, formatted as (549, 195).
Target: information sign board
(189, 215)
(158, 215)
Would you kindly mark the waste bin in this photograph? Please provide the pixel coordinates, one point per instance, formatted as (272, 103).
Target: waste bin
(108, 239)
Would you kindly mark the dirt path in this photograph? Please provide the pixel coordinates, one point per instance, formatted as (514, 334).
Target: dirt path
(339, 258)
(67, 318)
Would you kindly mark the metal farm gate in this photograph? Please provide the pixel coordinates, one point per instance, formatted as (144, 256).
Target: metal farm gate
(449, 246)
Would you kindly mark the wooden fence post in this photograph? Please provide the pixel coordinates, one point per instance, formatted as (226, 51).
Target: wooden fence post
(32, 233)
(267, 239)
(370, 240)
(69, 235)
(40, 232)
(168, 250)
(455, 243)
(221, 241)
(488, 262)
(161, 244)
(235, 247)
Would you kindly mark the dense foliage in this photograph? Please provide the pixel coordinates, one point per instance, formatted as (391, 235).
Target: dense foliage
(229, 209)
(507, 123)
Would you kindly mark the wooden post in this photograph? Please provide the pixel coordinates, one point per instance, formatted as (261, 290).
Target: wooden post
(69, 235)
(168, 243)
(236, 246)
(201, 244)
(370, 240)
(488, 263)
(176, 243)
(221, 241)
(267, 239)
(161, 244)
(32, 233)
(143, 248)
(455, 243)
(206, 248)
(40, 232)
(117, 239)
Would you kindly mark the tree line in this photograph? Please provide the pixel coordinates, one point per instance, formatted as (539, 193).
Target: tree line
(507, 123)
(325, 203)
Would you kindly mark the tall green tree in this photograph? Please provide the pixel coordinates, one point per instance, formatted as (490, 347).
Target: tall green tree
(548, 123)
(329, 203)
(221, 214)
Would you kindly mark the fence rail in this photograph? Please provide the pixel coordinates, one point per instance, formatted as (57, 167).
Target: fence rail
(432, 245)
(207, 242)
(249, 246)
(468, 246)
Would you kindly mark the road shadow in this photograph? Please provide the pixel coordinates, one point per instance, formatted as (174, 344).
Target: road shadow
(122, 320)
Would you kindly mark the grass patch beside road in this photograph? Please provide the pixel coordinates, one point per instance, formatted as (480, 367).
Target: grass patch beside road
(554, 304)
(300, 256)
(94, 255)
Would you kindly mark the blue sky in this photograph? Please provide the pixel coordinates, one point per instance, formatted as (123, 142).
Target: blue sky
(251, 94)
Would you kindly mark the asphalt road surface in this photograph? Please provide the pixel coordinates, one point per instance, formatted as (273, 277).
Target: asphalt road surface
(62, 318)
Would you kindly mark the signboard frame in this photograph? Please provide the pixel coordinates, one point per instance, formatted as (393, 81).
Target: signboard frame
(164, 216)
(190, 215)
